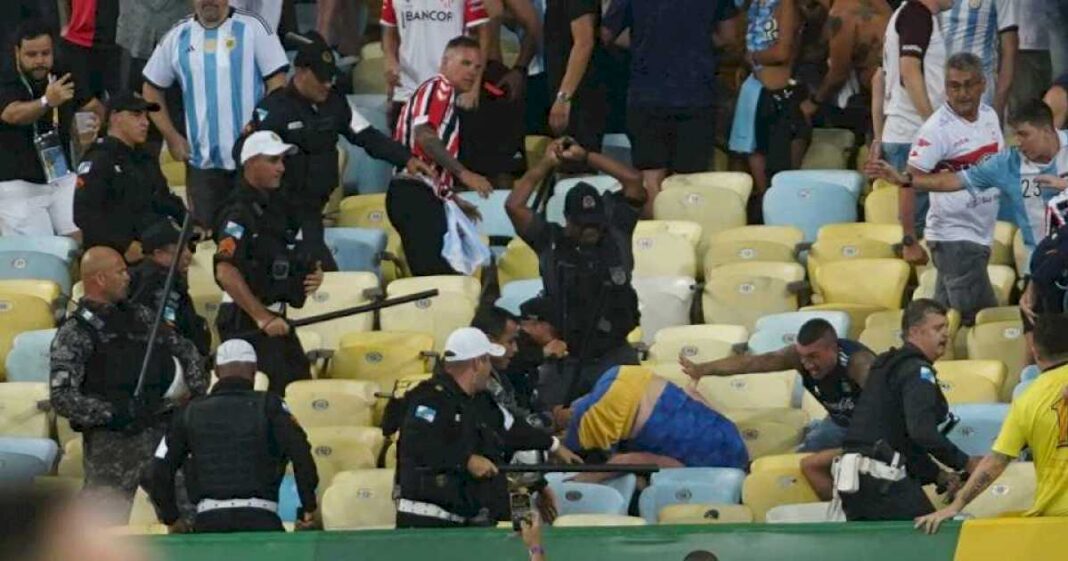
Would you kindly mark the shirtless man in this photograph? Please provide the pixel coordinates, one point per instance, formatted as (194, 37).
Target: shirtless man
(854, 32)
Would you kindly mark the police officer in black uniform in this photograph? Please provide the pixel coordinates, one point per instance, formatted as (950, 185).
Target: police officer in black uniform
(586, 268)
(309, 114)
(895, 428)
(234, 445)
(121, 189)
(159, 243)
(263, 264)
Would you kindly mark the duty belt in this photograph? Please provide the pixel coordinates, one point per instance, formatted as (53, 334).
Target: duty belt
(208, 505)
(277, 307)
(428, 510)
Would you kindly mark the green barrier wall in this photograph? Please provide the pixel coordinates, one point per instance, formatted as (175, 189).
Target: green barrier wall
(750, 542)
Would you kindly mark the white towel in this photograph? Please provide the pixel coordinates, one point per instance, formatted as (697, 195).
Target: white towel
(463, 248)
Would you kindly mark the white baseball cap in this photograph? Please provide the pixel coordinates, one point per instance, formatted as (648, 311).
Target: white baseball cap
(235, 350)
(265, 143)
(467, 343)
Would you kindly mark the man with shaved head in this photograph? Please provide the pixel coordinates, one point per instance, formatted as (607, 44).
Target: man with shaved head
(95, 365)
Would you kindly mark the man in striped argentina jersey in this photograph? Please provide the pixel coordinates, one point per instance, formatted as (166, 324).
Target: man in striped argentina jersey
(224, 60)
(989, 29)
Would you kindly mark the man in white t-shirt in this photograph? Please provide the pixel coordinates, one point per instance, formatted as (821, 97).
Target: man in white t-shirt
(960, 225)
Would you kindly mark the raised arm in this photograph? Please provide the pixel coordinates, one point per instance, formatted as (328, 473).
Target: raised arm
(777, 361)
(943, 182)
(519, 211)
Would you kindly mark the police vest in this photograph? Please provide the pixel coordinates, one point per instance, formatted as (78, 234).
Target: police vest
(1049, 272)
(837, 391)
(230, 448)
(596, 303)
(146, 288)
(312, 172)
(279, 260)
(119, 343)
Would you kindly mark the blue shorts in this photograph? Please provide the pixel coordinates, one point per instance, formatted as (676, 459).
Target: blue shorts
(823, 435)
(683, 428)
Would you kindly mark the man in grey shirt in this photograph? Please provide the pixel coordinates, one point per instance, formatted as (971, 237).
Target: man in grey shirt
(142, 23)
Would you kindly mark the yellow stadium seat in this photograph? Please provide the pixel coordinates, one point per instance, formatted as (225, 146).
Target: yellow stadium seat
(766, 489)
(880, 206)
(861, 287)
(843, 139)
(142, 513)
(828, 250)
(369, 211)
(19, 411)
(597, 520)
(1000, 313)
(700, 343)
(882, 330)
(663, 254)
(174, 173)
(749, 391)
(742, 293)
(769, 431)
(779, 461)
(739, 183)
(1001, 252)
(46, 290)
(812, 407)
(401, 387)
(880, 339)
(991, 370)
(1021, 255)
(18, 313)
(691, 231)
(1002, 341)
(68, 486)
(64, 433)
(441, 315)
(753, 243)
(1013, 491)
(339, 290)
(889, 234)
(518, 262)
(1002, 278)
(335, 451)
(964, 387)
(705, 514)
(360, 500)
(70, 464)
(328, 403)
(821, 155)
(534, 148)
(788, 236)
(368, 436)
(381, 356)
(715, 209)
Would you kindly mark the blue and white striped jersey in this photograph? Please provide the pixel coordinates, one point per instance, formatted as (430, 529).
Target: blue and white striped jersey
(973, 26)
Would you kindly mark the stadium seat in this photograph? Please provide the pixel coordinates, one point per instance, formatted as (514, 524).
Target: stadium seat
(19, 412)
(402, 386)
(664, 493)
(851, 180)
(339, 290)
(495, 222)
(624, 484)
(587, 498)
(880, 206)
(370, 174)
(804, 513)
(1002, 341)
(43, 449)
(368, 74)
(663, 302)
(597, 520)
(700, 343)
(1003, 279)
(840, 249)
(889, 234)
(1001, 252)
(769, 488)
(369, 211)
(769, 431)
(749, 391)
(336, 450)
(617, 147)
(738, 182)
(356, 249)
(142, 513)
(691, 231)
(534, 147)
(515, 293)
(70, 464)
(713, 208)
(741, 293)
(965, 387)
(809, 206)
(20, 313)
(778, 461)
(554, 208)
(46, 290)
(775, 331)
(381, 356)
(1013, 492)
(518, 262)
(843, 139)
(861, 287)
(288, 499)
(1000, 313)
(663, 254)
(704, 513)
(174, 173)
(823, 156)
(30, 356)
(1021, 254)
(62, 247)
(883, 330)
(451, 309)
(978, 427)
(331, 403)
(881, 338)
(992, 370)
(753, 243)
(36, 266)
(360, 500)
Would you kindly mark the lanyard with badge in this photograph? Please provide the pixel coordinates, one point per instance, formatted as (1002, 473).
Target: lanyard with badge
(48, 145)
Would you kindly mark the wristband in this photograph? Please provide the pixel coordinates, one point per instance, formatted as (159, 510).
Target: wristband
(563, 97)
(536, 550)
(44, 101)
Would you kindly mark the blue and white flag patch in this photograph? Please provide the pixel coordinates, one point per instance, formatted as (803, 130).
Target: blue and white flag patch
(234, 230)
(928, 375)
(85, 167)
(425, 413)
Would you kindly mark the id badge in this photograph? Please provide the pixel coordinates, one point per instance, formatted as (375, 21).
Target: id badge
(53, 160)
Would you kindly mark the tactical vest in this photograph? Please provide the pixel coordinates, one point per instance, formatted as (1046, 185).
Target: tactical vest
(229, 440)
(278, 261)
(312, 172)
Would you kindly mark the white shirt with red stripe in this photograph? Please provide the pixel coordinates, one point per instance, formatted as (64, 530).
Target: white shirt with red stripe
(434, 105)
(425, 27)
(948, 142)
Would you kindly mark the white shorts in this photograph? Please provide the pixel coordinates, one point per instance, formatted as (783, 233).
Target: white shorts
(33, 209)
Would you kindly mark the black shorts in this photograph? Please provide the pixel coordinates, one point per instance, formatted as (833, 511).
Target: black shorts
(779, 122)
(676, 139)
(98, 69)
(419, 217)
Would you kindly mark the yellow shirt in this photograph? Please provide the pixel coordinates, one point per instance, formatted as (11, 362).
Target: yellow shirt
(1039, 419)
(610, 419)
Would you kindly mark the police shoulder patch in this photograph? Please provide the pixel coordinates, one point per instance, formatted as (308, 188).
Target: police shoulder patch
(85, 167)
(261, 114)
(425, 413)
(233, 229)
(927, 374)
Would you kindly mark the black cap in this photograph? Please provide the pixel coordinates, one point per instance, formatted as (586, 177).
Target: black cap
(131, 102)
(539, 308)
(584, 205)
(314, 53)
(160, 235)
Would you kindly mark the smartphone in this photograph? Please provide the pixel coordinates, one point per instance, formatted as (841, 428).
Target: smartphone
(521, 509)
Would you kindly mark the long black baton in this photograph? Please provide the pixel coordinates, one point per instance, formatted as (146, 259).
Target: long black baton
(364, 308)
(578, 468)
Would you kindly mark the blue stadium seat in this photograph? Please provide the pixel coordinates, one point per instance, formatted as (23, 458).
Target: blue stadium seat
(587, 498)
(35, 265)
(60, 246)
(554, 209)
(368, 174)
(20, 468)
(979, 426)
(617, 147)
(516, 292)
(725, 477)
(30, 356)
(356, 249)
(851, 180)
(1029, 373)
(625, 484)
(669, 492)
(495, 222)
(809, 206)
(288, 499)
(781, 329)
(44, 449)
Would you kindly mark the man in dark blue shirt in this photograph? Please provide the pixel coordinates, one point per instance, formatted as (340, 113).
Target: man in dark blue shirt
(673, 82)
